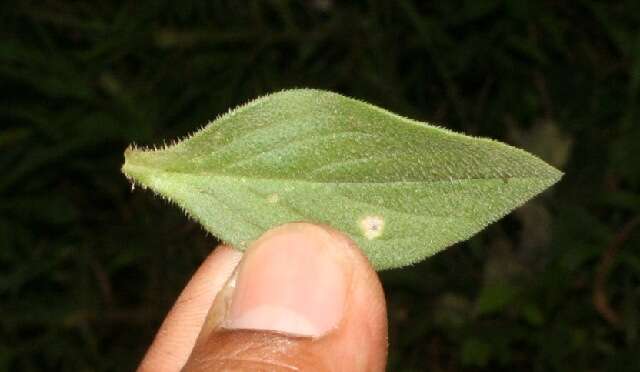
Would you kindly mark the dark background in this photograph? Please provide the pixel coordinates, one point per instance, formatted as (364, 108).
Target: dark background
(88, 268)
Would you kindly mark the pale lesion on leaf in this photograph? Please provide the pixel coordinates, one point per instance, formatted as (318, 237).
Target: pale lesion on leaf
(372, 226)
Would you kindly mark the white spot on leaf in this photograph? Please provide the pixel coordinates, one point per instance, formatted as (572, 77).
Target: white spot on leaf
(372, 226)
(273, 198)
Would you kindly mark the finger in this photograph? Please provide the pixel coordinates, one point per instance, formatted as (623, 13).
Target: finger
(303, 297)
(177, 335)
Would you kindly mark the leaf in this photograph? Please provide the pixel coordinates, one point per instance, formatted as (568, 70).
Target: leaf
(401, 189)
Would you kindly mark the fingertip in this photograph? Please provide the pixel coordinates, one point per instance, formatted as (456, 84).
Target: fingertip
(306, 287)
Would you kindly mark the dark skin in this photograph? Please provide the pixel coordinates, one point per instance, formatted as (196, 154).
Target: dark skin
(302, 297)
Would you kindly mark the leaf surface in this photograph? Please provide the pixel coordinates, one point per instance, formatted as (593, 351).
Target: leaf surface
(403, 190)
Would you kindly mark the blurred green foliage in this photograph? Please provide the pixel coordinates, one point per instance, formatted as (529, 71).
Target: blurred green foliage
(88, 268)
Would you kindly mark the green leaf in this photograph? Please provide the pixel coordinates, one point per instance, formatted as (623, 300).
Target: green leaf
(401, 189)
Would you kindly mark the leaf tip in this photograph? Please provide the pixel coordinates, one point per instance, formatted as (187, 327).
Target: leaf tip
(133, 166)
(554, 175)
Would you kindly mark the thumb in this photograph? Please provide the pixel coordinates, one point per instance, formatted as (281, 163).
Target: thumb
(302, 298)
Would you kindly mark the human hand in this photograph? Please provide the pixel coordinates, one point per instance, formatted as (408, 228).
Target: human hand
(303, 297)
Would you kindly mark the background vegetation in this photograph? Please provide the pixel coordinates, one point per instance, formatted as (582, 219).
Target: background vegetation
(88, 268)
